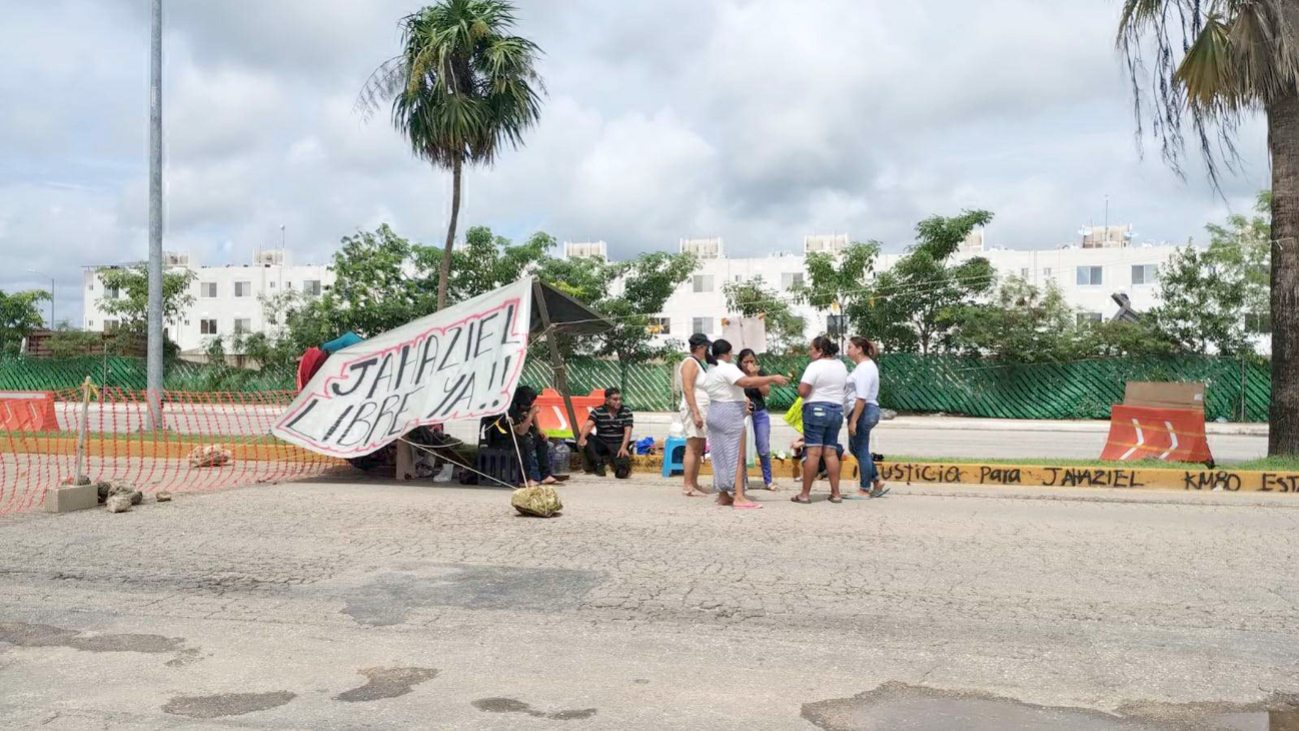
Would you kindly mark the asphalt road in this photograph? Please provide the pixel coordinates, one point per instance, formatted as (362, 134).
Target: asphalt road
(338, 605)
(922, 436)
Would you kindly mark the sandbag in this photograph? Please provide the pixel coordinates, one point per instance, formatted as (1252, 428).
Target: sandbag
(541, 501)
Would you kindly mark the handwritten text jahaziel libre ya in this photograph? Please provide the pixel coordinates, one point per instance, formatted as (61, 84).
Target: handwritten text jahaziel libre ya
(464, 370)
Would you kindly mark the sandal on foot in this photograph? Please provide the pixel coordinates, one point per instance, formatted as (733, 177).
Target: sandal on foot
(800, 502)
(880, 492)
(747, 506)
(836, 499)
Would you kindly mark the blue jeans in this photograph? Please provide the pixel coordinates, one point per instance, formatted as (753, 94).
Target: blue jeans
(821, 424)
(860, 444)
(762, 440)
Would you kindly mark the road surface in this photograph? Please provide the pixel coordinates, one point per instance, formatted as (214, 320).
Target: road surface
(337, 605)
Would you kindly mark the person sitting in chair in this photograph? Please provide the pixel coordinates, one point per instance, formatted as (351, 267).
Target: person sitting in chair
(527, 439)
(612, 424)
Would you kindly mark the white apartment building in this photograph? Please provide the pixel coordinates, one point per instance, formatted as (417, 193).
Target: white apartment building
(1087, 278)
(227, 299)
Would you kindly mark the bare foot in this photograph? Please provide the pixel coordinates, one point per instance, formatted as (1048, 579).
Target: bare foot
(725, 498)
(694, 492)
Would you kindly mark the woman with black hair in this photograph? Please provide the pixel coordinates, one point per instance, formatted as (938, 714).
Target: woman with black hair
(822, 388)
(694, 407)
(727, 408)
(863, 409)
(758, 411)
(533, 450)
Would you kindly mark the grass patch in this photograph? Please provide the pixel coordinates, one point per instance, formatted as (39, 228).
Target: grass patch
(1267, 464)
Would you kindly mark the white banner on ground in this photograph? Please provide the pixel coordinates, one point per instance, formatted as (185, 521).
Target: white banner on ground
(461, 363)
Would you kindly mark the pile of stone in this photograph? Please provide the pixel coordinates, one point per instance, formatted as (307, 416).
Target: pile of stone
(118, 497)
(209, 456)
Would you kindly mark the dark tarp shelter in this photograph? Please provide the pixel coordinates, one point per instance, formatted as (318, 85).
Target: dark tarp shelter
(556, 312)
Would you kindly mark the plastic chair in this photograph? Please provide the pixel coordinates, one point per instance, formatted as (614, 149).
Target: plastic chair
(671, 462)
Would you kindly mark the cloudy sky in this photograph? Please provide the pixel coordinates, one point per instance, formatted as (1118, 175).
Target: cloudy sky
(755, 120)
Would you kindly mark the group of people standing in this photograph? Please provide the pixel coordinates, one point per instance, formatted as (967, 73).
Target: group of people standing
(722, 393)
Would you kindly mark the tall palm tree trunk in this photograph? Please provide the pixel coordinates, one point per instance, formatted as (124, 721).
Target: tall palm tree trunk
(1283, 139)
(445, 274)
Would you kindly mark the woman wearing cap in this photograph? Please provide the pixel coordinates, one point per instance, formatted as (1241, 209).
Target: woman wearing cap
(694, 406)
(727, 408)
(823, 387)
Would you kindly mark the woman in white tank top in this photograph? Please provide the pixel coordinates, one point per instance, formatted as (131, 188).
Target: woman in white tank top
(694, 408)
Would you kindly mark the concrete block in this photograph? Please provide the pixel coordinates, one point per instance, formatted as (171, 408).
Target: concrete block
(68, 498)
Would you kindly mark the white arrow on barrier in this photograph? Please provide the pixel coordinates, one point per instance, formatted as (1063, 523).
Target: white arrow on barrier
(1173, 436)
(1141, 439)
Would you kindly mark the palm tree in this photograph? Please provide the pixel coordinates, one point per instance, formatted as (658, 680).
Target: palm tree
(461, 88)
(1214, 62)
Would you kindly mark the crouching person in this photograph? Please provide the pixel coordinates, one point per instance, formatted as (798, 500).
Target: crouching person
(611, 443)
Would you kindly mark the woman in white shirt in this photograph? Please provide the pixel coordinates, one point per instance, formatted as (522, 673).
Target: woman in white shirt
(694, 407)
(823, 387)
(727, 408)
(863, 395)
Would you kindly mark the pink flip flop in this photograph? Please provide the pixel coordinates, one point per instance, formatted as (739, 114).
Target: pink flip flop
(747, 506)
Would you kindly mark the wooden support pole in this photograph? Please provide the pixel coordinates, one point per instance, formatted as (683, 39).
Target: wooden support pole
(561, 374)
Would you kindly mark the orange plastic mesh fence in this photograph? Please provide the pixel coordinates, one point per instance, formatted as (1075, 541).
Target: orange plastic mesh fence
(208, 441)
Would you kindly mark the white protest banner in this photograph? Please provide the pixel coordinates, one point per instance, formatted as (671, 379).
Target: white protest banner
(461, 363)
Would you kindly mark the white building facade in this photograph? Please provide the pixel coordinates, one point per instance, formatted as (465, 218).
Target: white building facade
(228, 300)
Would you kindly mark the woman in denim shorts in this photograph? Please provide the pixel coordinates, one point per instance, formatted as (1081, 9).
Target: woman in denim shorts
(822, 387)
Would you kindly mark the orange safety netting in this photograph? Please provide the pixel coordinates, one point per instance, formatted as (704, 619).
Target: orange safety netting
(207, 441)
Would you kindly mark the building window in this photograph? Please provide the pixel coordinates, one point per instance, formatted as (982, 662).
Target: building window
(660, 325)
(837, 325)
(1046, 272)
(1023, 273)
(1258, 324)
(272, 285)
(1091, 276)
(243, 289)
(1086, 318)
(243, 326)
(1144, 273)
(112, 293)
(311, 287)
(90, 287)
(702, 325)
(207, 327)
(90, 324)
(112, 326)
(207, 290)
(790, 280)
(703, 283)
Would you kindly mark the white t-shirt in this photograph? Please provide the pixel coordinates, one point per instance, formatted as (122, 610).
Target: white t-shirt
(864, 384)
(701, 398)
(720, 382)
(828, 378)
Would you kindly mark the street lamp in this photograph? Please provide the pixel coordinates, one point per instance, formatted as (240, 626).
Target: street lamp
(33, 271)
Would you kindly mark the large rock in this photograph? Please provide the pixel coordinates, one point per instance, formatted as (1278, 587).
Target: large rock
(119, 503)
(164, 496)
(209, 456)
(541, 501)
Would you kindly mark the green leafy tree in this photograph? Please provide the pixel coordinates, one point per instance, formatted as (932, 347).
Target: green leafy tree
(20, 314)
(752, 298)
(1121, 339)
(837, 282)
(378, 284)
(131, 305)
(647, 284)
(1021, 324)
(916, 305)
(1244, 245)
(461, 89)
(215, 350)
(1202, 303)
(1215, 63)
(487, 262)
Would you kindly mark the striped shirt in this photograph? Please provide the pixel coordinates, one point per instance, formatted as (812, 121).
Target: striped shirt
(609, 426)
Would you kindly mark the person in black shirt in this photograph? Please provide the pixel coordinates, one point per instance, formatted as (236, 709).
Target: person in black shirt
(533, 447)
(758, 412)
(611, 443)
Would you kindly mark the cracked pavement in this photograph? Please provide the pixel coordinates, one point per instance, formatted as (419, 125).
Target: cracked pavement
(439, 607)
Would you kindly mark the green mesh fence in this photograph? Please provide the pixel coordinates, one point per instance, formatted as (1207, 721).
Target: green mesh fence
(909, 383)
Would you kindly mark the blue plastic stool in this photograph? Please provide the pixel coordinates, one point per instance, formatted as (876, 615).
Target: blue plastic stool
(671, 462)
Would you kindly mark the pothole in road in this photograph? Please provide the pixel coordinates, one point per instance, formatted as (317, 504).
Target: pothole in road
(386, 683)
(901, 707)
(226, 704)
(23, 634)
(511, 705)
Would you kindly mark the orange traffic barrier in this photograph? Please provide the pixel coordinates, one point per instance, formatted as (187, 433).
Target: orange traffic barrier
(27, 411)
(552, 418)
(1146, 432)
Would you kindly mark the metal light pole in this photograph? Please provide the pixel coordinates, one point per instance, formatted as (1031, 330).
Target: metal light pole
(33, 271)
(154, 379)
